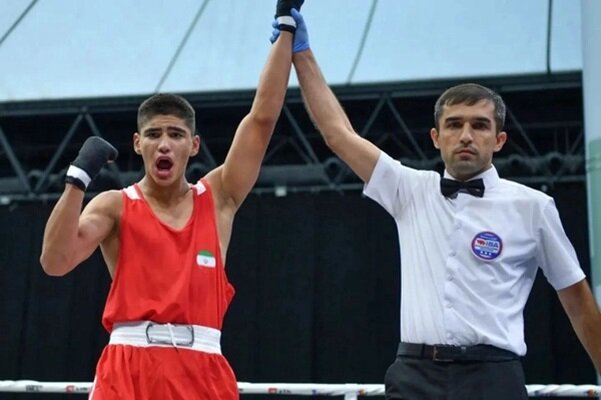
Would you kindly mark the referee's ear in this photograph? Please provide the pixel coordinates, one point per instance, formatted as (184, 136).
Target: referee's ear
(501, 139)
(434, 136)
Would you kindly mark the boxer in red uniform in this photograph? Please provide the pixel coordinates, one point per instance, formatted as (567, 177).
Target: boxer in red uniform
(189, 275)
(165, 240)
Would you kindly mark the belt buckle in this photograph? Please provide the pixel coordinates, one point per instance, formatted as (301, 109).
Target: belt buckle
(170, 340)
(436, 357)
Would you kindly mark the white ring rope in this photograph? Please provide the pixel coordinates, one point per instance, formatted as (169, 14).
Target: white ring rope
(348, 390)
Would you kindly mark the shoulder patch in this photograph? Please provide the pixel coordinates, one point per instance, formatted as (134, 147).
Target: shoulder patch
(131, 193)
(200, 188)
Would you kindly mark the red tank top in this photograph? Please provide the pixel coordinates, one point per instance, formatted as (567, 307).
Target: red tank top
(167, 275)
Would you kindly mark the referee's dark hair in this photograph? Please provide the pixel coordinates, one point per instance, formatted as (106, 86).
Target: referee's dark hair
(470, 94)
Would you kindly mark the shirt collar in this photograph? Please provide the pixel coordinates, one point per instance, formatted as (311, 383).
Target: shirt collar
(490, 177)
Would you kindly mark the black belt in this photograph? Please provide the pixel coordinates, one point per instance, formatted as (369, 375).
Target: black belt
(447, 353)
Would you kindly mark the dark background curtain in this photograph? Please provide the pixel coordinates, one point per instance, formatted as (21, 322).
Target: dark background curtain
(317, 297)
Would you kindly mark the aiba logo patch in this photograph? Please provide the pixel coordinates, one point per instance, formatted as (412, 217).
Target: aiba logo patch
(487, 246)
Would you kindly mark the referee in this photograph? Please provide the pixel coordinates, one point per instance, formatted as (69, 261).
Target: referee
(470, 242)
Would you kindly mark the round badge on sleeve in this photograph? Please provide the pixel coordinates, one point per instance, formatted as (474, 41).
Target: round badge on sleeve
(487, 246)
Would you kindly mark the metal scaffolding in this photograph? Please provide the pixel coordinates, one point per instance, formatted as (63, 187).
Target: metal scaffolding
(544, 123)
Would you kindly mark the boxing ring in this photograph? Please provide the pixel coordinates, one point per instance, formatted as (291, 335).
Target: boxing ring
(348, 391)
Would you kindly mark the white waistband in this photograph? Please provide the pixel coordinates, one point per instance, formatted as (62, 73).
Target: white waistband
(147, 333)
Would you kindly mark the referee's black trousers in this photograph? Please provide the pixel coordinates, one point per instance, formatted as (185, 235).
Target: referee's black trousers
(420, 378)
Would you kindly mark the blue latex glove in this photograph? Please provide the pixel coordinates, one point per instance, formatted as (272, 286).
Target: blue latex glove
(301, 36)
(275, 33)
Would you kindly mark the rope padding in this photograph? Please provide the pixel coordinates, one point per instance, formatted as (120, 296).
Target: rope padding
(348, 390)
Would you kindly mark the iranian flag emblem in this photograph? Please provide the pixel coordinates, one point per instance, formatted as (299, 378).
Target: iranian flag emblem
(205, 258)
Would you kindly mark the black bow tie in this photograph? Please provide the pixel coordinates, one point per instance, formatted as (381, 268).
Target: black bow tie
(448, 187)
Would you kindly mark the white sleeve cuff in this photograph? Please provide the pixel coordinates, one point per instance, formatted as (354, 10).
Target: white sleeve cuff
(80, 174)
(286, 20)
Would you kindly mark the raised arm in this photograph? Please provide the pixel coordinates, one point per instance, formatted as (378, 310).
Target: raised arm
(239, 172)
(71, 236)
(579, 303)
(358, 153)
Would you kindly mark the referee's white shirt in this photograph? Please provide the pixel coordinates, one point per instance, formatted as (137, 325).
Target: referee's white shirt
(454, 289)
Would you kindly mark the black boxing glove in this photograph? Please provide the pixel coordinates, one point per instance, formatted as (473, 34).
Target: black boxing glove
(94, 153)
(283, 17)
